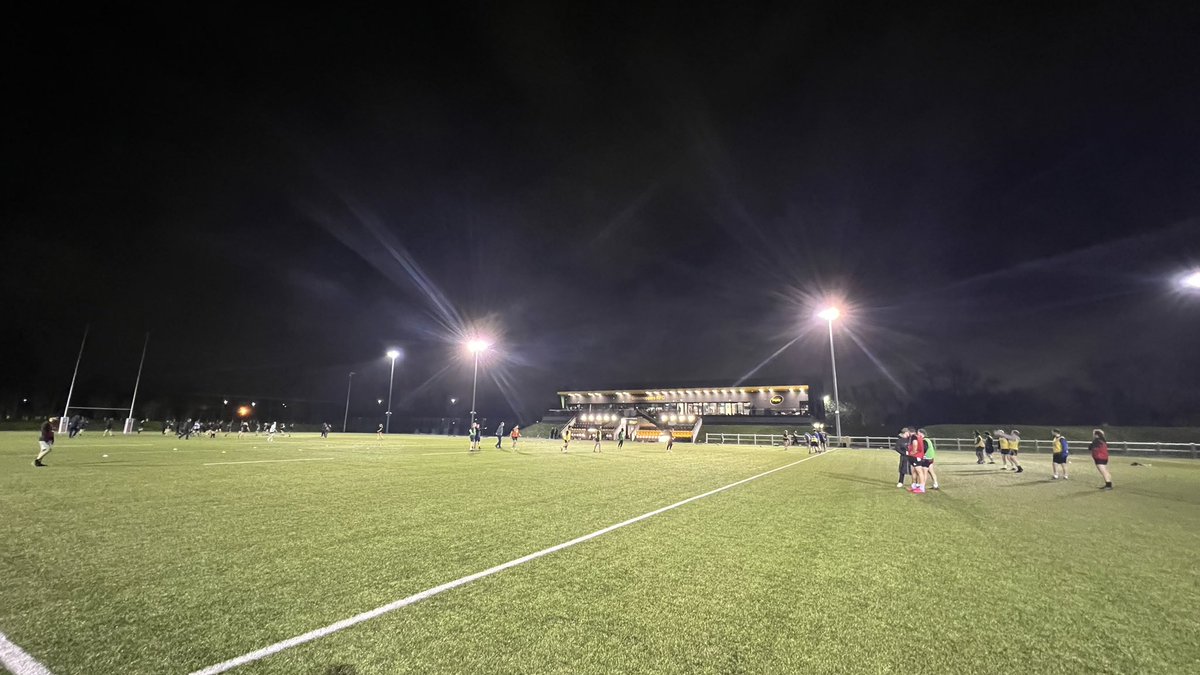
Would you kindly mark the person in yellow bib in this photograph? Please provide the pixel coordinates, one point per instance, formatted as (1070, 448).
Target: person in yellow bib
(1002, 441)
(566, 436)
(1014, 446)
(1060, 450)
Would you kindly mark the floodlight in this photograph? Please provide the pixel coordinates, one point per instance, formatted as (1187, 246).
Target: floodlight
(829, 314)
(1191, 281)
(393, 353)
(475, 346)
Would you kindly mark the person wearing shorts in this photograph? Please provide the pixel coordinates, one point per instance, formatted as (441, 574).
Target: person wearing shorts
(516, 435)
(916, 459)
(1002, 441)
(566, 436)
(1014, 446)
(45, 440)
(670, 440)
(979, 445)
(989, 446)
(1099, 449)
(1059, 458)
(930, 456)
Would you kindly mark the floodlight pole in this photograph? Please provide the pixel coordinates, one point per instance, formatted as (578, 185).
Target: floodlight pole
(837, 405)
(136, 384)
(387, 426)
(62, 423)
(474, 386)
(346, 417)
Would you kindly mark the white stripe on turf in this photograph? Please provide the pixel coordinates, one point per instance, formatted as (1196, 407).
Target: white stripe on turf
(18, 661)
(271, 461)
(429, 593)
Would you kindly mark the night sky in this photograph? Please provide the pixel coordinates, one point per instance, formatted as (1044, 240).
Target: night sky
(647, 196)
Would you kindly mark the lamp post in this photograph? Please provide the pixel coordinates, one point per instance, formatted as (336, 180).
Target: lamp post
(475, 346)
(829, 314)
(346, 417)
(387, 425)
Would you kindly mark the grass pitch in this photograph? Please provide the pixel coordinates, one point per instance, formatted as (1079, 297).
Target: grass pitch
(165, 557)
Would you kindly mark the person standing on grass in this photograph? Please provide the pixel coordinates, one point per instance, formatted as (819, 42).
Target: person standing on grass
(45, 440)
(1059, 458)
(916, 458)
(979, 445)
(378, 432)
(901, 449)
(621, 437)
(516, 435)
(325, 429)
(670, 440)
(244, 428)
(499, 434)
(1099, 449)
(566, 438)
(108, 426)
(599, 437)
(1002, 441)
(989, 446)
(930, 456)
(1014, 446)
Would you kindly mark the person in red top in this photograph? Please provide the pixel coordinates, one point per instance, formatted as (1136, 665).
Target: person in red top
(516, 434)
(45, 440)
(916, 458)
(1099, 448)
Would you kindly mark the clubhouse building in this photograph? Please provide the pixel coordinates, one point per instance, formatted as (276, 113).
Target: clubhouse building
(650, 414)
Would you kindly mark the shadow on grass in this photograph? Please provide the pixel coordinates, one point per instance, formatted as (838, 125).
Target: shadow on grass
(854, 479)
(340, 669)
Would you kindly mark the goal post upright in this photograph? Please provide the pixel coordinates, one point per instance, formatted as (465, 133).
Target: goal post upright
(62, 421)
(136, 383)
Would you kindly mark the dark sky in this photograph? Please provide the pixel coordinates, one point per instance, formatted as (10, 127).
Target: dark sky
(641, 196)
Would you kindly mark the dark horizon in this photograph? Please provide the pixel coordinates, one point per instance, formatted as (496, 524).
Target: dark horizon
(1003, 202)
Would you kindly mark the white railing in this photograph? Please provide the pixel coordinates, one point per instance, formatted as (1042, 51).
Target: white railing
(1186, 450)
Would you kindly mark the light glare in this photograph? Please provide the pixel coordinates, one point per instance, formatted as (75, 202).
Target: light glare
(829, 314)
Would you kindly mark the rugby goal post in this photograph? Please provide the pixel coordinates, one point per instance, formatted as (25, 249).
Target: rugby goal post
(63, 421)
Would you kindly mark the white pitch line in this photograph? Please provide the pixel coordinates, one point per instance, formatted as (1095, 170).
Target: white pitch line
(18, 661)
(271, 461)
(270, 650)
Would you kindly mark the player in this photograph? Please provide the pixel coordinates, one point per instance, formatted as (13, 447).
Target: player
(979, 446)
(930, 456)
(325, 429)
(599, 437)
(566, 438)
(670, 440)
(515, 434)
(989, 446)
(1002, 441)
(1099, 449)
(901, 448)
(621, 438)
(379, 431)
(1014, 446)
(916, 458)
(1059, 457)
(108, 426)
(45, 440)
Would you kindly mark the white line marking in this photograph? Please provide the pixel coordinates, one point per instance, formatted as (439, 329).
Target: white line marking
(271, 461)
(18, 661)
(429, 593)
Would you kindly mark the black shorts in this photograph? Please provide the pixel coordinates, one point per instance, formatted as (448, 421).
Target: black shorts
(1060, 458)
(925, 463)
(1004, 451)
(1100, 461)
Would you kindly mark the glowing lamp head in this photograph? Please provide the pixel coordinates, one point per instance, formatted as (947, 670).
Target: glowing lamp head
(829, 314)
(476, 346)
(1191, 281)
(393, 354)
(243, 411)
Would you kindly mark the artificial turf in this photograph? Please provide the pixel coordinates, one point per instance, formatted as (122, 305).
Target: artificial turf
(157, 559)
